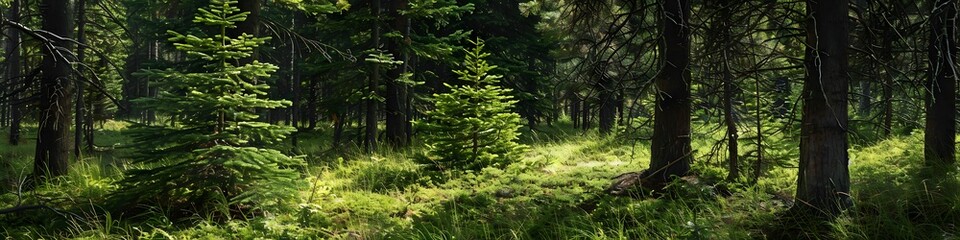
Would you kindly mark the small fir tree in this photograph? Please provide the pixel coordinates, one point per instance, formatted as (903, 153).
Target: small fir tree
(214, 150)
(473, 126)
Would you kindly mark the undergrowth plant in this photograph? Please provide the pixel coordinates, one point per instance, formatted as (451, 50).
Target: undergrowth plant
(215, 154)
(473, 126)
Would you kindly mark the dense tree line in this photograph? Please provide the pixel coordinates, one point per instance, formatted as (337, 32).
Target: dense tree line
(644, 70)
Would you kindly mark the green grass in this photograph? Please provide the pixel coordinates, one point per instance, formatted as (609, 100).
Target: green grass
(554, 192)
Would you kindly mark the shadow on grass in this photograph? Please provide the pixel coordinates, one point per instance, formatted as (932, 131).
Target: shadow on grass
(890, 202)
(516, 214)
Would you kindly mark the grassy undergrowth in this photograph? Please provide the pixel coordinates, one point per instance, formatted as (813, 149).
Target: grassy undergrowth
(554, 192)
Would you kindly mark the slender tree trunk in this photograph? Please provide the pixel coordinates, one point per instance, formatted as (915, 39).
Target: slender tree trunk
(78, 127)
(866, 103)
(53, 139)
(14, 73)
(337, 130)
(758, 163)
(4, 82)
(585, 114)
(670, 147)
(823, 185)
(575, 110)
(370, 143)
(941, 105)
(887, 89)
(727, 41)
(297, 107)
(608, 100)
(312, 115)
(395, 109)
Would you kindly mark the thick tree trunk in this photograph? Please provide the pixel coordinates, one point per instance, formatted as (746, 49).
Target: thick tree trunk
(370, 142)
(397, 119)
(940, 131)
(823, 185)
(14, 74)
(53, 139)
(670, 147)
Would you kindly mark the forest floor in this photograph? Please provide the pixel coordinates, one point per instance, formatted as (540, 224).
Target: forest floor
(554, 192)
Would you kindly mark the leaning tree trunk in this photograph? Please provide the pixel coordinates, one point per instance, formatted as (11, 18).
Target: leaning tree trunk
(940, 131)
(14, 78)
(53, 138)
(670, 147)
(823, 184)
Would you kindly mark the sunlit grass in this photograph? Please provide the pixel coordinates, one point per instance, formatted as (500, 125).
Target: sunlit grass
(554, 192)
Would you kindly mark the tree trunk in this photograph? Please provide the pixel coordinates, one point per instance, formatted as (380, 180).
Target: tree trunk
(823, 185)
(312, 115)
(53, 138)
(138, 52)
(940, 131)
(608, 100)
(887, 58)
(14, 74)
(585, 113)
(726, 42)
(370, 143)
(670, 147)
(575, 110)
(78, 127)
(395, 109)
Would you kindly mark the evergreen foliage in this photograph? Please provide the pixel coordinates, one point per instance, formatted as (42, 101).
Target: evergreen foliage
(214, 149)
(473, 125)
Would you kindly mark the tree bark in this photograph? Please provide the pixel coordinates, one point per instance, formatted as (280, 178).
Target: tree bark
(670, 147)
(78, 127)
(14, 73)
(823, 184)
(312, 115)
(726, 42)
(53, 138)
(608, 99)
(370, 142)
(397, 120)
(940, 131)
(887, 58)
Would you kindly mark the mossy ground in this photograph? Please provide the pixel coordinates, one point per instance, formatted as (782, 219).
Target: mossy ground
(554, 192)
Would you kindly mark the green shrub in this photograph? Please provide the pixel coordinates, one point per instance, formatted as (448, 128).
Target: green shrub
(472, 126)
